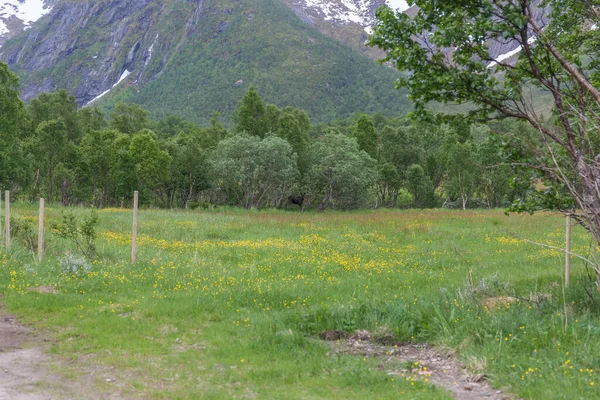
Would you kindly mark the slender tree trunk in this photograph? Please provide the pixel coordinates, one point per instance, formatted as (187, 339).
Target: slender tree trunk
(260, 198)
(190, 193)
(395, 200)
(50, 185)
(65, 192)
(95, 190)
(104, 194)
(323, 205)
(247, 205)
(327, 200)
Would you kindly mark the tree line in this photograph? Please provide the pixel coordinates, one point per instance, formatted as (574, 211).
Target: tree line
(51, 148)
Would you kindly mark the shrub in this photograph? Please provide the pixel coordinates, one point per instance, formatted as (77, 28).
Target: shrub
(83, 234)
(24, 232)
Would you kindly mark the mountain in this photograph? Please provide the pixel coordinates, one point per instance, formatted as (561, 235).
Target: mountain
(17, 16)
(190, 57)
(349, 21)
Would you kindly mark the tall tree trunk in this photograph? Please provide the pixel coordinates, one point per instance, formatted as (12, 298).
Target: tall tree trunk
(327, 200)
(65, 192)
(35, 184)
(103, 195)
(190, 193)
(50, 185)
(395, 198)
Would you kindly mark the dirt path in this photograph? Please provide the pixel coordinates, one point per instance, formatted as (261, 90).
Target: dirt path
(26, 370)
(419, 362)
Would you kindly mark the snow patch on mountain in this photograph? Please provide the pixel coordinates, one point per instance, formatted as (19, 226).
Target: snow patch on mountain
(26, 11)
(511, 53)
(352, 11)
(400, 5)
(149, 54)
(124, 75)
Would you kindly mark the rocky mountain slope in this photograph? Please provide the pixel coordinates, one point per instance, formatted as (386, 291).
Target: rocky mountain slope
(349, 21)
(18, 15)
(190, 57)
(338, 18)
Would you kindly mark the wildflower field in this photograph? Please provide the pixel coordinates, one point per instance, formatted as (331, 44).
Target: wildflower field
(230, 304)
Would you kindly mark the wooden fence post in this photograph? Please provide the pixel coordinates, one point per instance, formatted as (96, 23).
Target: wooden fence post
(41, 231)
(7, 218)
(134, 228)
(568, 253)
(1, 219)
(596, 265)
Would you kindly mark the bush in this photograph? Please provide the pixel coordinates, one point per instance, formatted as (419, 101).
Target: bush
(203, 205)
(473, 203)
(405, 199)
(24, 232)
(83, 234)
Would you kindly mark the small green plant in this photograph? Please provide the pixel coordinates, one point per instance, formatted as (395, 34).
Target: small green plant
(219, 236)
(202, 205)
(23, 231)
(83, 234)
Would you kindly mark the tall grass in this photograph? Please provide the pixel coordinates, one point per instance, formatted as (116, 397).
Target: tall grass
(229, 304)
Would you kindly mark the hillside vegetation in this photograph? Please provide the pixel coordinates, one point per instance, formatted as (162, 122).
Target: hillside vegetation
(290, 63)
(190, 58)
(83, 156)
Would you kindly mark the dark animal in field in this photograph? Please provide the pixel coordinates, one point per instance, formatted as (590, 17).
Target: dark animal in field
(297, 200)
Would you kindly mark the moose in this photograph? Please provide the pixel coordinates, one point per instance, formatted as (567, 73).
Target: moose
(298, 200)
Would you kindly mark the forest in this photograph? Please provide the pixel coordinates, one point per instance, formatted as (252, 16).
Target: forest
(50, 148)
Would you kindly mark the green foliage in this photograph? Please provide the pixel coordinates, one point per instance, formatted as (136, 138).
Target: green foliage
(264, 44)
(91, 119)
(399, 148)
(58, 106)
(446, 51)
(255, 172)
(52, 150)
(23, 231)
(83, 157)
(190, 168)
(151, 165)
(250, 115)
(81, 234)
(128, 118)
(122, 166)
(461, 169)
(494, 182)
(293, 125)
(215, 132)
(420, 186)
(389, 185)
(366, 136)
(12, 125)
(94, 170)
(340, 174)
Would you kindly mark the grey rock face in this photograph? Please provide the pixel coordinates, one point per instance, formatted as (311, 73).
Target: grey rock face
(87, 45)
(15, 15)
(334, 13)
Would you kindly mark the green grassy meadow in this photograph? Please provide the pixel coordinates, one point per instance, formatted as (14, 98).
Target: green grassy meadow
(230, 303)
